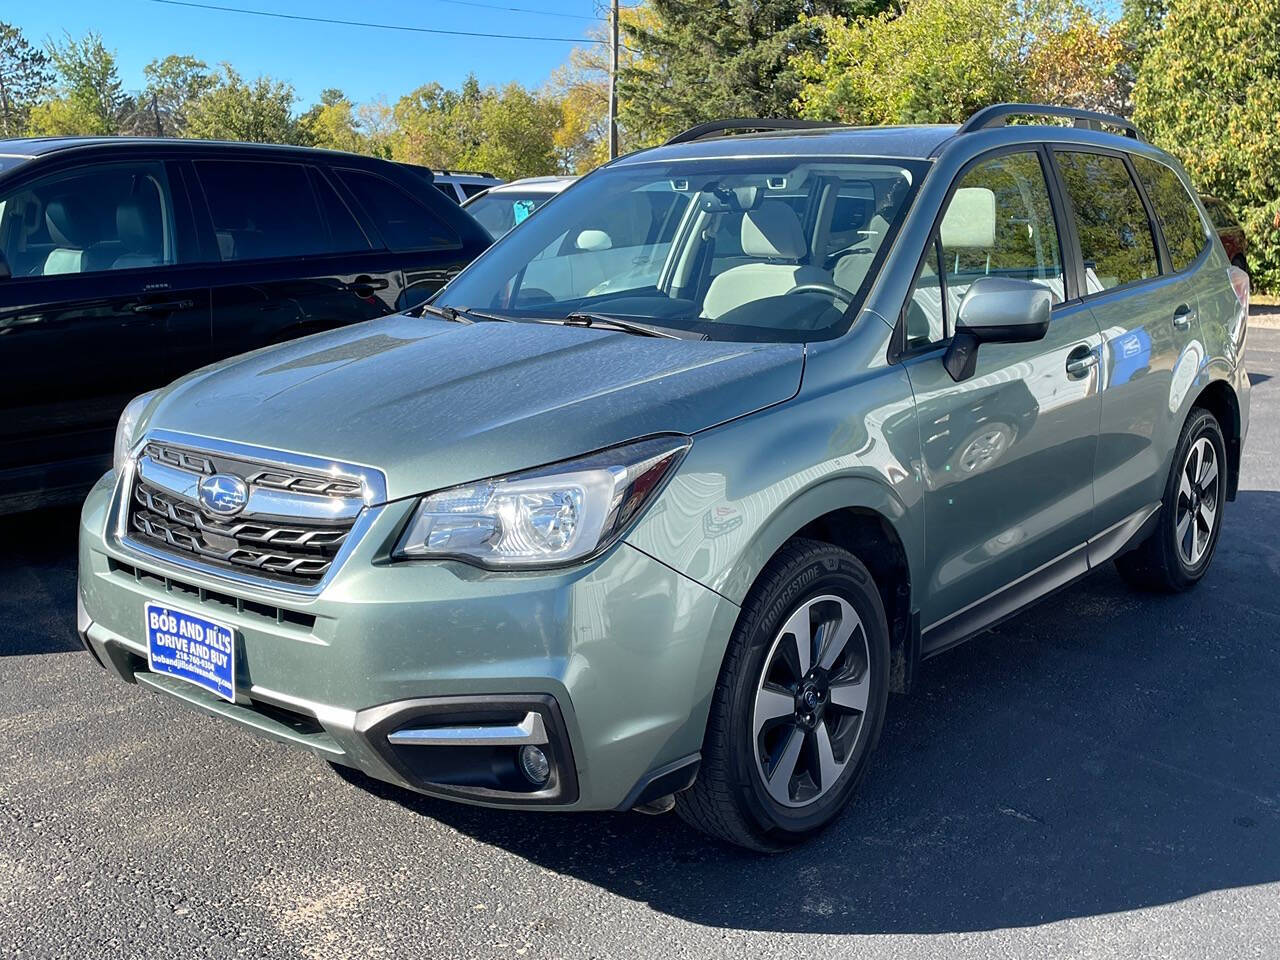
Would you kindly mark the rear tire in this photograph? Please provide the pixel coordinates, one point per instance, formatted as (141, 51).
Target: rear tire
(791, 729)
(1178, 552)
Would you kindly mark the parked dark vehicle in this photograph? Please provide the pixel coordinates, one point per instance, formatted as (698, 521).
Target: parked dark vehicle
(1229, 231)
(125, 263)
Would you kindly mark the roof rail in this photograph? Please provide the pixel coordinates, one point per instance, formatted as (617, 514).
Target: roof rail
(747, 123)
(996, 115)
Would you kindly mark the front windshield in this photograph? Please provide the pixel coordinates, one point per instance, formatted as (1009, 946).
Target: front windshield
(499, 211)
(754, 249)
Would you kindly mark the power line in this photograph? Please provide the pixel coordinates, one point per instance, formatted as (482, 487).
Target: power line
(406, 28)
(542, 13)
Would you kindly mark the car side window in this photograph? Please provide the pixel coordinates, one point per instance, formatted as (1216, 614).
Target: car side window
(114, 216)
(263, 209)
(1115, 235)
(345, 232)
(403, 221)
(1184, 232)
(998, 223)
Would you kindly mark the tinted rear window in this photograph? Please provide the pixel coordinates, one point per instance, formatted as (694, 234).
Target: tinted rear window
(1115, 234)
(404, 222)
(1184, 232)
(262, 210)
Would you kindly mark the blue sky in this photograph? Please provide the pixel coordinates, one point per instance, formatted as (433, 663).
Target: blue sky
(365, 63)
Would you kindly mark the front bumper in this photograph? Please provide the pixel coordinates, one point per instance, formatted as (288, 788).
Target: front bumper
(616, 659)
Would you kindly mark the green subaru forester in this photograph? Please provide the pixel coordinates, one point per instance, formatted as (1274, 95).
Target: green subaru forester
(663, 495)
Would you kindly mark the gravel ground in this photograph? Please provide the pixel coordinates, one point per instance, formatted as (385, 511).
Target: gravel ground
(1097, 778)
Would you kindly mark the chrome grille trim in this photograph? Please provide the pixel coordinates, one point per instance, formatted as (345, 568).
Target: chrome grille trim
(303, 518)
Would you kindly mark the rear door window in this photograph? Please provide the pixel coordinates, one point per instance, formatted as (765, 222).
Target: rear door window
(1116, 242)
(404, 222)
(112, 216)
(1184, 233)
(263, 210)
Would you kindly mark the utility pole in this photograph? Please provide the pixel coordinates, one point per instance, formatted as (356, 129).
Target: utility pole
(613, 79)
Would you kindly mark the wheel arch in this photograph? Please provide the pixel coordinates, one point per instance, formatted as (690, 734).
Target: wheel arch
(866, 518)
(1220, 399)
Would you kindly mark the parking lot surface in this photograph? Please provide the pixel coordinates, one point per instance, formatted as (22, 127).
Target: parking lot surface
(1099, 777)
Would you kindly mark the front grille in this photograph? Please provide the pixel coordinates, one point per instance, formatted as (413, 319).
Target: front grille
(296, 544)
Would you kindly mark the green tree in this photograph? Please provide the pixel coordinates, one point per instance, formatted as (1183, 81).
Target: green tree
(334, 123)
(1209, 93)
(700, 61)
(256, 111)
(1141, 21)
(24, 74)
(508, 131)
(90, 97)
(174, 83)
(938, 61)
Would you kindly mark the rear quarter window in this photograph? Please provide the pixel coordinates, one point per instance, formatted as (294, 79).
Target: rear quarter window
(1184, 232)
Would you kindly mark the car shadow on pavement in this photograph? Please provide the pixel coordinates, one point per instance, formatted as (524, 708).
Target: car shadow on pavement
(1106, 751)
(38, 582)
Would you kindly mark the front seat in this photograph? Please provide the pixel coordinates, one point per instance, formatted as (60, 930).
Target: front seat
(771, 233)
(67, 219)
(851, 269)
(139, 231)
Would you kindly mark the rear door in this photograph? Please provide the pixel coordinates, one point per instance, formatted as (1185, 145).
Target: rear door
(1147, 311)
(426, 248)
(292, 258)
(101, 305)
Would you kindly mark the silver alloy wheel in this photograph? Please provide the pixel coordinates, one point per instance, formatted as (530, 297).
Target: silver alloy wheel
(811, 701)
(1196, 513)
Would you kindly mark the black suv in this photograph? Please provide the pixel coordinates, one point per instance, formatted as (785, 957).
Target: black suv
(127, 262)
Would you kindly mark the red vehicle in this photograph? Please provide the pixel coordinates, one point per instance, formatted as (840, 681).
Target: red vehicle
(1229, 231)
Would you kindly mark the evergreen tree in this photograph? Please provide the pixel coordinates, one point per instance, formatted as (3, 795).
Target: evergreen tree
(24, 74)
(719, 58)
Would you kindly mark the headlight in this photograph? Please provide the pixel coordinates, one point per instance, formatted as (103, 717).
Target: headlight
(125, 430)
(547, 517)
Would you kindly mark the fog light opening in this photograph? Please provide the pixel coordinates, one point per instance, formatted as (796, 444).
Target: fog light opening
(534, 765)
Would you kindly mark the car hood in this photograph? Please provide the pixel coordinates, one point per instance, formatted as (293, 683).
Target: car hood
(433, 403)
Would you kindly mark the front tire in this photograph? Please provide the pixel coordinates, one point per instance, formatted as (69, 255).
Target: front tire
(799, 703)
(1179, 551)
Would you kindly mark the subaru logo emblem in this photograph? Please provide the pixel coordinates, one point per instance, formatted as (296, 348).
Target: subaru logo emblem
(223, 494)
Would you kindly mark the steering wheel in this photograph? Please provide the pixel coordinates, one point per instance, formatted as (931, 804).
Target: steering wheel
(838, 294)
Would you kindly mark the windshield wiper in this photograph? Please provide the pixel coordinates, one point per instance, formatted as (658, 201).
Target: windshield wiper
(463, 314)
(587, 319)
(445, 313)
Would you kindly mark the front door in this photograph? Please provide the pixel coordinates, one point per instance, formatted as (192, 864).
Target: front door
(1007, 456)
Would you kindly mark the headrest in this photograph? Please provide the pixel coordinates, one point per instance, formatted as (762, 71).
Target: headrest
(137, 225)
(970, 221)
(68, 220)
(773, 231)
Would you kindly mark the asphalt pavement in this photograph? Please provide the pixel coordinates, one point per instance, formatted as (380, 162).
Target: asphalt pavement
(1099, 777)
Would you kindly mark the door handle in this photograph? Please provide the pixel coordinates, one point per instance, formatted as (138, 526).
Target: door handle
(1183, 317)
(1080, 361)
(163, 306)
(363, 283)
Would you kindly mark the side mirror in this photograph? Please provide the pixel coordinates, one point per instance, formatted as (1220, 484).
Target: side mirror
(996, 310)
